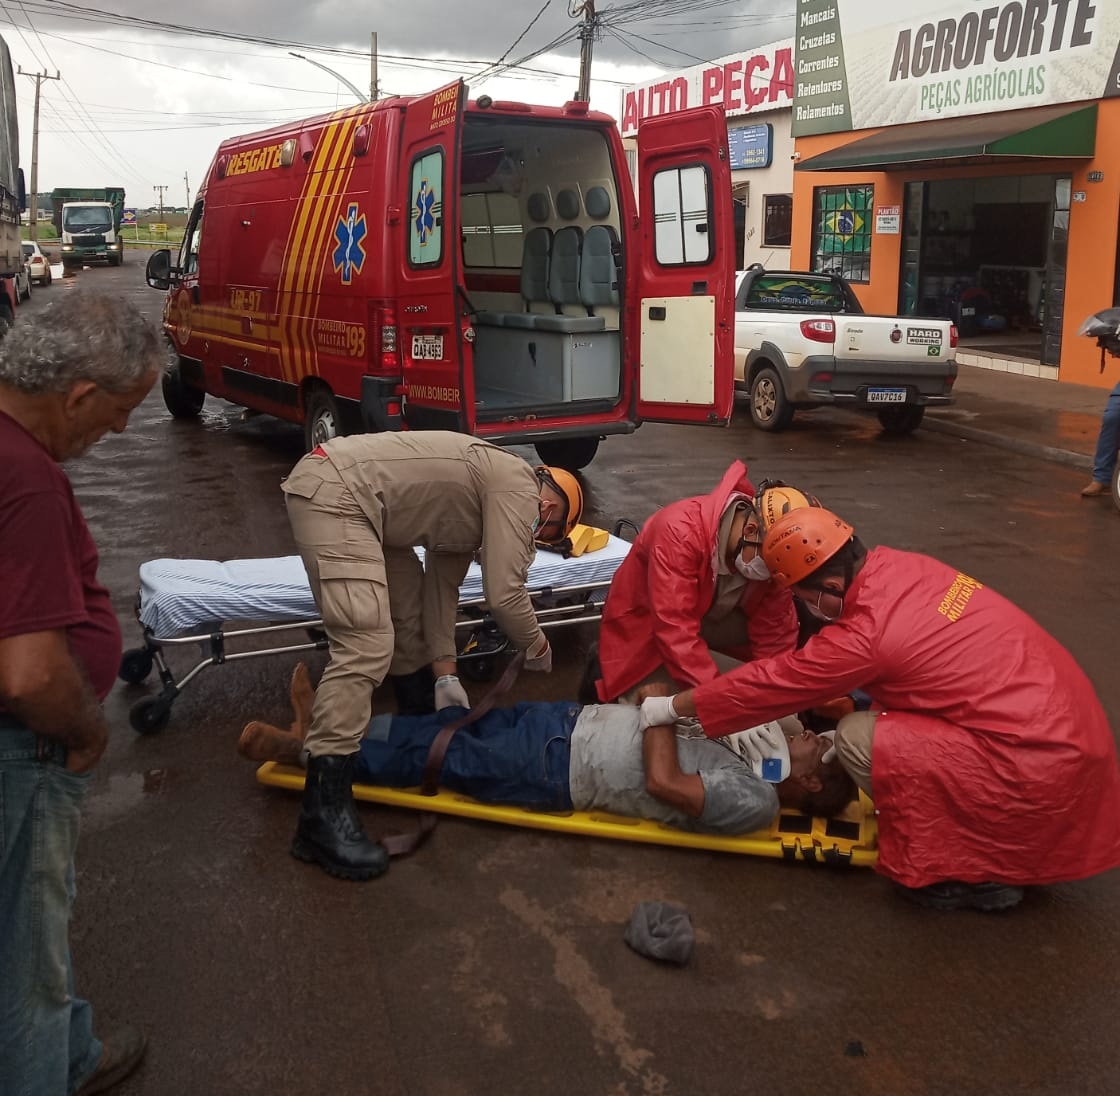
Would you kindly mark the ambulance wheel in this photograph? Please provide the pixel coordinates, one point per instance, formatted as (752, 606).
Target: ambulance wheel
(136, 664)
(770, 409)
(183, 401)
(901, 420)
(571, 453)
(1116, 486)
(321, 419)
(150, 715)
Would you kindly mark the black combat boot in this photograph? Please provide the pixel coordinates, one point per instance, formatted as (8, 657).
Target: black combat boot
(329, 833)
(415, 692)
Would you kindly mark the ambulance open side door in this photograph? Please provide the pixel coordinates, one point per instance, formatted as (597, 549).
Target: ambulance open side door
(435, 358)
(686, 270)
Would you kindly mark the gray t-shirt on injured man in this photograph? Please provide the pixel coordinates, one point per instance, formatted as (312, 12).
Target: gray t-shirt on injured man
(606, 773)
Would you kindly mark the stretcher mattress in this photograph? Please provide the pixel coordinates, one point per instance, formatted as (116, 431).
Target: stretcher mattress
(851, 839)
(180, 596)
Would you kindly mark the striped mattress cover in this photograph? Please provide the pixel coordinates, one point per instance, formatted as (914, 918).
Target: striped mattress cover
(181, 596)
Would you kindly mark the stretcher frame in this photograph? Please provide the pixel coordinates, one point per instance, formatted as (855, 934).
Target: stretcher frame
(851, 840)
(556, 606)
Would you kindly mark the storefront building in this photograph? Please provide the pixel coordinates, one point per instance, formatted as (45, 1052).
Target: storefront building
(960, 160)
(755, 89)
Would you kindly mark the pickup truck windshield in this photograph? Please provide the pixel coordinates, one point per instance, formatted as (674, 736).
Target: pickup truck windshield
(793, 293)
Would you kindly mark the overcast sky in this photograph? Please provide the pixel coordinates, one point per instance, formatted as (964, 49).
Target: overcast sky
(138, 106)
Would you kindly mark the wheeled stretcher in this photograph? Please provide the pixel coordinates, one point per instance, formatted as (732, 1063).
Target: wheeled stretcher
(851, 839)
(188, 602)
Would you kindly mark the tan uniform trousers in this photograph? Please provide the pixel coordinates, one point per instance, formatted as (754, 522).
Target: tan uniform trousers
(855, 734)
(342, 553)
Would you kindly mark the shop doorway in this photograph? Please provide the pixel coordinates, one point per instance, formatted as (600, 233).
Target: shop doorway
(990, 253)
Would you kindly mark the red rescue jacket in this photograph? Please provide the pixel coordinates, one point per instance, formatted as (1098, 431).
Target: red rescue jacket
(992, 760)
(659, 596)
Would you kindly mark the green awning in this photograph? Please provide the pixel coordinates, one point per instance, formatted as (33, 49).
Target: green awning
(1041, 133)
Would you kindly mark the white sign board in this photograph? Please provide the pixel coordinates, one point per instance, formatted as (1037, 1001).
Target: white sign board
(861, 64)
(888, 220)
(751, 82)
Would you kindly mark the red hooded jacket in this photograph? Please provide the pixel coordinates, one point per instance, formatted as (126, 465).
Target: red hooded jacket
(660, 594)
(992, 759)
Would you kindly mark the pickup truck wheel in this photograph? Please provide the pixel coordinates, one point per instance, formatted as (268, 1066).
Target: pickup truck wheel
(321, 419)
(770, 410)
(183, 401)
(901, 420)
(571, 453)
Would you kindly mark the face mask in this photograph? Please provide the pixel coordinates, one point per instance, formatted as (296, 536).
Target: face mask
(756, 570)
(816, 610)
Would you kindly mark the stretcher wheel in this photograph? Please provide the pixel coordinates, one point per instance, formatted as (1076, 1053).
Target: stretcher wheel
(136, 664)
(150, 714)
(477, 669)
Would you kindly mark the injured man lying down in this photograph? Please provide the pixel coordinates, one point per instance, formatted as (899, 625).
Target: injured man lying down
(559, 756)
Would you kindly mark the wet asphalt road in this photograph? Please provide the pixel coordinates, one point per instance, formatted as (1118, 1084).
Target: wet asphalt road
(493, 961)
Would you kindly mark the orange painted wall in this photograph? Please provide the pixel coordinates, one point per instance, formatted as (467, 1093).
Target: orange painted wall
(1093, 230)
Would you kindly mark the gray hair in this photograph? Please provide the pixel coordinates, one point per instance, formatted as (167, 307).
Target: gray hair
(81, 336)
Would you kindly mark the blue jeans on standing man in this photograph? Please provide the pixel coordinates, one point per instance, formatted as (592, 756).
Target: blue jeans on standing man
(1108, 441)
(47, 1046)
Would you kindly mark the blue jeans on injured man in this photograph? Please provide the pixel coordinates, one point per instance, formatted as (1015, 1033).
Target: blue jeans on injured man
(518, 755)
(1108, 441)
(47, 1045)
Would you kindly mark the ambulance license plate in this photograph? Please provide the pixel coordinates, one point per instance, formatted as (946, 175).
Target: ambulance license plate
(427, 348)
(886, 395)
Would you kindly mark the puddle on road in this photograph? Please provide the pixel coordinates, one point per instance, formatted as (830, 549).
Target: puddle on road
(122, 794)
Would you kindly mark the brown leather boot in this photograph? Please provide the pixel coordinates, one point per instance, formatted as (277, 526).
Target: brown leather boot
(303, 700)
(1092, 490)
(264, 742)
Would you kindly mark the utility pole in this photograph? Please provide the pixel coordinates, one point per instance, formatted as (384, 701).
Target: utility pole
(373, 92)
(187, 184)
(161, 189)
(33, 212)
(586, 39)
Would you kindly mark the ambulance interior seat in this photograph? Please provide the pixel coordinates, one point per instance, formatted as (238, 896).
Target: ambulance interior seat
(563, 286)
(599, 273)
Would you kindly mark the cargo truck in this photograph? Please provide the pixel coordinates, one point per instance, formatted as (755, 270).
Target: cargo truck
(88, 222)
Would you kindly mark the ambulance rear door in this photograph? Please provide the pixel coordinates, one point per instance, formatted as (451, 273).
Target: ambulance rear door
(438, 387)
(686, 270)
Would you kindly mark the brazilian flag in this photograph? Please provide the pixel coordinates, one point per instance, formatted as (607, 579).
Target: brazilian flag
(844, 223)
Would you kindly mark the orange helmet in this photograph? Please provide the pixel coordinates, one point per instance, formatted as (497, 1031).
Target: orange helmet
(800, 541)
(776, 499)
(567, 486)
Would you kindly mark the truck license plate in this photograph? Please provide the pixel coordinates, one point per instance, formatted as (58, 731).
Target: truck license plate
(427, 348)
(886, 395)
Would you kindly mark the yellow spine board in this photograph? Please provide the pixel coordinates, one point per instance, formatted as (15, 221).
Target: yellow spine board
(851, 839)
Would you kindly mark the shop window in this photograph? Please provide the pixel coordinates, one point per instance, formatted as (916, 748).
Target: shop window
(842, 220)
(492, 231)
(777, 220)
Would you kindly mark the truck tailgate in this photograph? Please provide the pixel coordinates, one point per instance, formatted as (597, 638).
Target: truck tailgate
(882, 339)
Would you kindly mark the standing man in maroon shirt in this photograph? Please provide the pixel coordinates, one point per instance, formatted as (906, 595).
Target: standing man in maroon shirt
(67, 377)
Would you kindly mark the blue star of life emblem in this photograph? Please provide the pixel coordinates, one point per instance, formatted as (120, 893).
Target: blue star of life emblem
(425, 219)
(350, 256)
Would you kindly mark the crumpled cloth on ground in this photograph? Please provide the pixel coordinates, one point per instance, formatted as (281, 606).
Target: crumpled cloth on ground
(660, 930)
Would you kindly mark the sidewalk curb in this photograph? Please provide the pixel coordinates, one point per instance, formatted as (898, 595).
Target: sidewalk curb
(1015, 445)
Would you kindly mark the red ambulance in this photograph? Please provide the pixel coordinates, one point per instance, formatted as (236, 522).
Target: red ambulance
(433, 263)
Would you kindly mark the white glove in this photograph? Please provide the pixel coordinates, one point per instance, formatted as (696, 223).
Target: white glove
(656, 711)
(540, 661)
(830, 753)
(765, 749)
(450, 693)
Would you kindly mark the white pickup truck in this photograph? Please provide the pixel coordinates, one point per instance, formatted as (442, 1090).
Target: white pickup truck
(802, 340)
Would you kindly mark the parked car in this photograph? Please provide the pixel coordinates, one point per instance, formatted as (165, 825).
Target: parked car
(802, 340)
(38, 262)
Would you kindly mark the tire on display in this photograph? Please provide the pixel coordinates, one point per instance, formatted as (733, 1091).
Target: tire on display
(183, 401)
(770, 409)
(904, 419)
(573, 454)
(136, 664)
(150, 715)
(321, 420)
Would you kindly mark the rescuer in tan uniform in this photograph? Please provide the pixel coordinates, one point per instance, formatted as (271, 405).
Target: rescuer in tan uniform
(358, 506)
